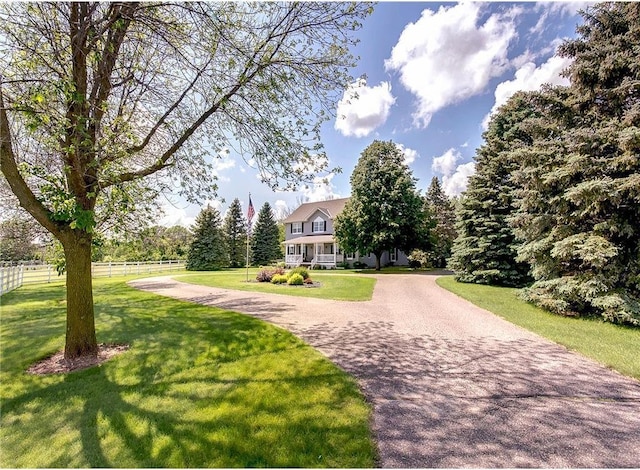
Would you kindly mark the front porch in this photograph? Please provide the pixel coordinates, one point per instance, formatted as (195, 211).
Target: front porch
(312, 251)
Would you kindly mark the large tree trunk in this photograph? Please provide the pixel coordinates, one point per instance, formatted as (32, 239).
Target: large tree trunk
(81, 333)
(378, 255)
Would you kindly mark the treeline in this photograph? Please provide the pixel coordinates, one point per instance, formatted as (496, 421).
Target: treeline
(555, 201)
(221, 243)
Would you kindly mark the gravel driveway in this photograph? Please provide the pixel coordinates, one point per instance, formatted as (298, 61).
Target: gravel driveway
(451, 384)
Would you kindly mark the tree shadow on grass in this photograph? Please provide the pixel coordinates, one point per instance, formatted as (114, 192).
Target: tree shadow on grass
(198, 388)
(483, 402)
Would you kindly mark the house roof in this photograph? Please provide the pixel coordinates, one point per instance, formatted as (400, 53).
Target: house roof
(331, 208)
(310, 239)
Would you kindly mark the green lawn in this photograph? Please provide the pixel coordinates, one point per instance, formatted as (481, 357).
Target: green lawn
(200, 387)
(336, 285)
(615, 346)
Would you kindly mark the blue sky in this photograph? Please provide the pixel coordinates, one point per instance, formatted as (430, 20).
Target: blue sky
(434, 72)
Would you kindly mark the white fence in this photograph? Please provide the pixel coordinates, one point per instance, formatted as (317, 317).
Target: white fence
(12, 277)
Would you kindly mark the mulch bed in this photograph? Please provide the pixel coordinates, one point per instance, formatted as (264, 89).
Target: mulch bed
(57, 364)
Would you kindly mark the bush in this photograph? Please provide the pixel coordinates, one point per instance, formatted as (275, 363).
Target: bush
(302, 271)
(265, 275)
(344, 265)
(359, 265)
(295, 280)
(308, 281)
(279, 279)
(419, 259)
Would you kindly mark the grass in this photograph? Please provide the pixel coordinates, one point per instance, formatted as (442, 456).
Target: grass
(335, 286)
(615, 346)
(200, 387)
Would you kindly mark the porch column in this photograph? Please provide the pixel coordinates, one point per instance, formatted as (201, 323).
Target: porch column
(335, 254)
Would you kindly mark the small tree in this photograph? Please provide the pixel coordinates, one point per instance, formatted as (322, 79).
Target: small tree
(265, 245)
(208, 251)
(443, 233)
(18, 235)
(235, 232)
(385, 210)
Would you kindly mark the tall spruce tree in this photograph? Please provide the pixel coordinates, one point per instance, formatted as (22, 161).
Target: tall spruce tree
(486, 248)
(208, 250)
(385, 209)
(235, 232)
(443, 232)
(265, 244)
(579, 215)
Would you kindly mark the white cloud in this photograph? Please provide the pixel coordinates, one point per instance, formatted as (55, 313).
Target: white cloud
(528, 78)
(454, 176)
(362, 109)
(410, 155)
(320, 190)
(455, 184)
(446, 56)
(280, 209)
(173, 215)
(446, 163)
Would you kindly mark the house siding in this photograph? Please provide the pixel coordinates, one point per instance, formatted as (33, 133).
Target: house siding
(326, 211)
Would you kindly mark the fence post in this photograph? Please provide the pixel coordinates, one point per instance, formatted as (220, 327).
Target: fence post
(48, 273)
(21, 275)
(1, 280)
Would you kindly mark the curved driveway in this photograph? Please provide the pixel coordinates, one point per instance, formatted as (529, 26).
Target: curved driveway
(451, 384)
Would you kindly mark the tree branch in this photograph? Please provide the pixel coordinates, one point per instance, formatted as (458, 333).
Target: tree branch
(18, 185)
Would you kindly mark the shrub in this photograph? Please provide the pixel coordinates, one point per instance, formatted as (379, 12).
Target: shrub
(265, 275)
(279, 279)
(302, 271)
(344, 265)
(359, 265)
(308, 281)
(419, 259)
(295, 280)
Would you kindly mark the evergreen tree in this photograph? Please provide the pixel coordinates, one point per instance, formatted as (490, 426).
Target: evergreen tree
(385, 210)
(208, 251)
(443, 233)
(486, 248)
(265, 244)
(235, 231)
(579, 214)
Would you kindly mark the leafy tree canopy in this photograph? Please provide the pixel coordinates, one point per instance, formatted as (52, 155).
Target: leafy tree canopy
(385, 210)
(96, 97)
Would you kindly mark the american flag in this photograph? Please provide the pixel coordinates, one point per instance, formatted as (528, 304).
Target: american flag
(250, 211)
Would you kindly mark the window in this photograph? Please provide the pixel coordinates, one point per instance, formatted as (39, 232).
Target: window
(351, 255)
(393, 255)
(319, 225)
(296, 227)
(291, 249)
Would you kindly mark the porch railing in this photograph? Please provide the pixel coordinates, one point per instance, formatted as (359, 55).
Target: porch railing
(324, 259)
(293, 260)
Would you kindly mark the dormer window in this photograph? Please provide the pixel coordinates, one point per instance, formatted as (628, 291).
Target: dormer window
(319, 225)
(296, 227)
